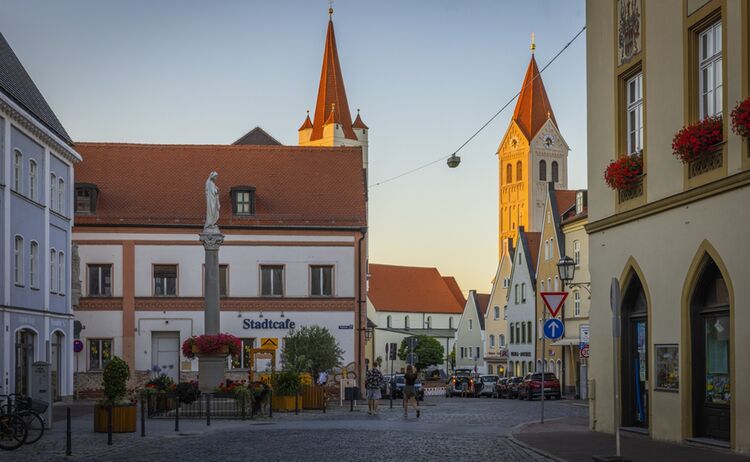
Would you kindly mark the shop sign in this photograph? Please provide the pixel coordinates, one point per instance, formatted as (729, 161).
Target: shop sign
(269, 343)
(268, 324)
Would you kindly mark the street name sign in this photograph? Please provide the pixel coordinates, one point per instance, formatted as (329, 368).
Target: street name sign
(554, 301)
(553, 328)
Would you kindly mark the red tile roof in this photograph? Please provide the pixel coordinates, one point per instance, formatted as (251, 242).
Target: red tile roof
(331, 92)
(358, 122)
(306, 124)
(533, 239)
(164, 184)
(484, 302)
(411, 289)
(533, 107)
(453, 286)
(565, 199)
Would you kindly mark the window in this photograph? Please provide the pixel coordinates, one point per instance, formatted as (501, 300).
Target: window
(450, 323)
(429, 322)
(577, 252)
(321, 281)
(492, 341)
(478, 353)
(577, 303)
(100, 352)
(18, 261)
(709, 71)
(17, 171)
(406, 322)
(518, 332)
(542, 286)
(519, 170)
(508, 174)
(497, 312)
(519, 258)
(471, 324)
(165, 280)
(86, 195)
(505, 283)
(34, 265)
(501, 338)
(463, 354)
(528, 331)
(388, 321)
(579, 202)
(61, 196)
(523, 333)
(557, 283)
(555, 172)
(52, 191)
(512, 334)
(634, 119)
(100, 280)
(549, 283)
(552, 247)
(516, 295)
(542, 170)
(243, 200)
(523, 292)
(53, 271)
(272, 281)
(32, 180)
(546, 249)
(242, 360)
(61, 282)
(223, 280)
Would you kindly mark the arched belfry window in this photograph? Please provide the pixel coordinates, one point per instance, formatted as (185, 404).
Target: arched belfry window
(508, 174)
(555, 172)
(542, 170)
(519, 170)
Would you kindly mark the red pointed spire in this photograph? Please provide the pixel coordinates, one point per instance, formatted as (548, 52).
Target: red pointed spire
(533, 107)
(307, 123)
(358, 122)
(331, 92)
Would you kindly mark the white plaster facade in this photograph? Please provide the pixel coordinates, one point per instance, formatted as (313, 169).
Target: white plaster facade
(520, 312)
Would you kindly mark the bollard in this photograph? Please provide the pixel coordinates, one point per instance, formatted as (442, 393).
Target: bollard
(242, 403)
(252, 406)
(143, 417)
(176, 414)
(68, 440)
(208, 410)
(270, 403)
(109, 425)
(325, 401)
(296, 404)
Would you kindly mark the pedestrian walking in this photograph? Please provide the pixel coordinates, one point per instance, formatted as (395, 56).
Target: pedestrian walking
(322, 378)
(373, 382)
(410, 392)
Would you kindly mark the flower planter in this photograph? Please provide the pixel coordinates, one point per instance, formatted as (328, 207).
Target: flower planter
(286, 403)
(221, 351)
(123, 418)
(699, 141)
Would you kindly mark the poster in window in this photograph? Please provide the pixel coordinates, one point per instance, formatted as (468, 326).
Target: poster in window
(628, 30)
(667, 368)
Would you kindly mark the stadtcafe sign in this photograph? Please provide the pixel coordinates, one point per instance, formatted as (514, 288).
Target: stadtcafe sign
(268, 324)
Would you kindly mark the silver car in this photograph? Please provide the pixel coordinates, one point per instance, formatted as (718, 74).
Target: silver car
(488, 383)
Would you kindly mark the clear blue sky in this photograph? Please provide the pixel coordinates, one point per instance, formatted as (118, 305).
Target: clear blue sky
(426, 75)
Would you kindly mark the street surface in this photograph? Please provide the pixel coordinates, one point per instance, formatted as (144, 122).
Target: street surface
(461, 428)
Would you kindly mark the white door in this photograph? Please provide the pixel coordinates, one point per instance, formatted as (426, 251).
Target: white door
(165, 353)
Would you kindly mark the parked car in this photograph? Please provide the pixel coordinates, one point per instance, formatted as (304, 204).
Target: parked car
(398, 390)
(435, 373)
(512, 387)
(486, 385)
(532, 386)
(501, 386)
(461, 383)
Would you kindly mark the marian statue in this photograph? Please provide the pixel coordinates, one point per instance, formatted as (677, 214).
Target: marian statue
(212, 204)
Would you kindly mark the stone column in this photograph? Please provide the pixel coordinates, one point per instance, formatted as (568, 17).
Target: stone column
(211, 367)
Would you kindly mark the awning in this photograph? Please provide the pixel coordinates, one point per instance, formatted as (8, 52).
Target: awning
(567, 341)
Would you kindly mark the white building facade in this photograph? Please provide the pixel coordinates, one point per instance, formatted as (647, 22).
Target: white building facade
(521, 307)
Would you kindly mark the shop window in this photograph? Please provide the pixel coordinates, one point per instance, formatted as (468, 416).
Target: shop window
(242, 360)
(18, 261)
(165, 280)
(243, 200)
(100, 352)
(100, 280)
(321, 281)
(272, 281)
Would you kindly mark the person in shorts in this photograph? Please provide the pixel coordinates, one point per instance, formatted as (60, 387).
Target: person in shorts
(373, 382)
(410, 391)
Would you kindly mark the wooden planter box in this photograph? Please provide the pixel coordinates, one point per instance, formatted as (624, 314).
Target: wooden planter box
(286, 403)
(314, 397)
(123, 419)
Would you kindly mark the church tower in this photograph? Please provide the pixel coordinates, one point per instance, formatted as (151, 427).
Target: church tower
(531, 154)
(332, 122)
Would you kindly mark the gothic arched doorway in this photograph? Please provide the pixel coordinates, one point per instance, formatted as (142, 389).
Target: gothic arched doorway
(634, 355)
(710, 347)
(25, 339)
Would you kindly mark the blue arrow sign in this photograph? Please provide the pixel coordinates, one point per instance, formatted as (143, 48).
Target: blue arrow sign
(553, 328)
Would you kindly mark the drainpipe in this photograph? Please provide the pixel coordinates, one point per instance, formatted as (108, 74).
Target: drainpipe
(360, 301)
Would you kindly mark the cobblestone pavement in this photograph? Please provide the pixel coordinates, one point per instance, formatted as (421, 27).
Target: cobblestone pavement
(448, 427)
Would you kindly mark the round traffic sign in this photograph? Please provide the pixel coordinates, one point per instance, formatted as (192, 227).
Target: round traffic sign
(553, 328)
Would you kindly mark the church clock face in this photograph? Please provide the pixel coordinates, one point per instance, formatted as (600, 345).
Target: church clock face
(514, 142)
(549, 141)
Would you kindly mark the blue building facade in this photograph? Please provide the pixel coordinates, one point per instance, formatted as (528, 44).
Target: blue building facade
(37, 161)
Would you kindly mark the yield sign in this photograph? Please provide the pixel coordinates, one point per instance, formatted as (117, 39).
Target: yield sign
(554, 300)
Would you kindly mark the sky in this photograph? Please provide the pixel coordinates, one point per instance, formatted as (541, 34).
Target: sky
(425, 74)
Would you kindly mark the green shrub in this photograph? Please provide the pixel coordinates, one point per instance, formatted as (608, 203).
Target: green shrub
(116, 375)
(286, 383)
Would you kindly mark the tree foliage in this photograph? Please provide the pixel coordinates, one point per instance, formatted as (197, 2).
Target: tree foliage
(429, 351)
(311, 349)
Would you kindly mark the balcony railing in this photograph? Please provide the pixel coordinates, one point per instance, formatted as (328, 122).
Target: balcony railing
(632, 193)
(709, 163)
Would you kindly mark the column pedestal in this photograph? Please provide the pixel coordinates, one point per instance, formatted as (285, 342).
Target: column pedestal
(211, 371)
(211, 367)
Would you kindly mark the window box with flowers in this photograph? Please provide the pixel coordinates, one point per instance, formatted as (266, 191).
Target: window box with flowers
(219, 344)
(625, 175)
(698, 146)
(741, 118)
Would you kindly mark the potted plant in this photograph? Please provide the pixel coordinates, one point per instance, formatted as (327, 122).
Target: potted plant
(187, 392)
(286, 386)
(741, 118)
(219, 344)
(699, 140)
(157, 388)
(116, 375)
(624, 173)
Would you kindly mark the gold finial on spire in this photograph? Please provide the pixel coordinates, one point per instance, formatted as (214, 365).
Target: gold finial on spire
(330, 9)
(533, 44)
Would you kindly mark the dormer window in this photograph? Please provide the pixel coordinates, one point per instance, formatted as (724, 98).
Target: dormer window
(243, 200)
(580, 201)
(86, 196)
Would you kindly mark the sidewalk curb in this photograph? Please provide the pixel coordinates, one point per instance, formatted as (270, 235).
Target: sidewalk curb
(519, 428)
(546, 454)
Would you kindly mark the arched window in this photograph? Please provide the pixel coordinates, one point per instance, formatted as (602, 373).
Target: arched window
(18, 260)
(508, 174)
(497, 312)
(32, 180)
(61, 196)
(523, 334)
(492, 341)
(542, 170)
(17, 171)
(53, 271)
(519, 170)
(555, 173)
(52, 191)
(502, 340)
(489, 368)
(523, 292)
(512, 334)
(34, 265)
(61, 273)
(528, 332)
(388, 321)
(406, 322)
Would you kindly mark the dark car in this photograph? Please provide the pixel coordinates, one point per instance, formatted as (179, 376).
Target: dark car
(500, 387)
(400, 384)
(532, 386)
(512, 386)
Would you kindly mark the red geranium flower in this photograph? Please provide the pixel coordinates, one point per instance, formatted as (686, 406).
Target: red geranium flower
(741, 118)
(211, 344)
(698, 140)
(624, 173)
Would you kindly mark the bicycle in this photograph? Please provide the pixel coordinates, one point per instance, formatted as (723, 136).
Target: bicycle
(31, 410)
(13, 430)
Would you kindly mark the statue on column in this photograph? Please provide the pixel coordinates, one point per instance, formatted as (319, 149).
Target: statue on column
(212, 204)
